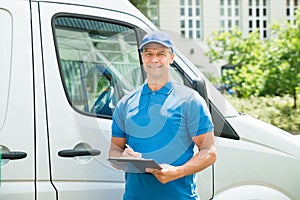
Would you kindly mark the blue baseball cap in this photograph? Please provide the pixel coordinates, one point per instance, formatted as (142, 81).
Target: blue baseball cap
(158, 37)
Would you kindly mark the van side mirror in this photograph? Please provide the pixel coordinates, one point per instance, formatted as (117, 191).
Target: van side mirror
(200, 86)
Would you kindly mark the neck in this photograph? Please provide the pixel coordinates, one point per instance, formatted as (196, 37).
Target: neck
(156, 85)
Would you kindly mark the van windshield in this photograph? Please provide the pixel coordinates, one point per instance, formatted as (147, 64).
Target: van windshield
(220, 102)
(215, 96)
(192, 55)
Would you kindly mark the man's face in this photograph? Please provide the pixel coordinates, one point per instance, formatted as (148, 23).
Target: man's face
(156, 59)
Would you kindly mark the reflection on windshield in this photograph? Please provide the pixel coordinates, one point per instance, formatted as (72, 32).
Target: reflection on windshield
(219, 101)
(192, 53)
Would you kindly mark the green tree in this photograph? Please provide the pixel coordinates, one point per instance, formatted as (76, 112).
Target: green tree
(242, 53)
(262, 67)
(141, 5)
(286, 76)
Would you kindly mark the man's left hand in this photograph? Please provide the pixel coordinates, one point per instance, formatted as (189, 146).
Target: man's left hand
(166, 174)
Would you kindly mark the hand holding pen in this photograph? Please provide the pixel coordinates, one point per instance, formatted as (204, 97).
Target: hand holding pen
(129, 152)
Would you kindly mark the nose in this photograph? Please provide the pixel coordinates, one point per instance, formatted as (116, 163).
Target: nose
(154, 58)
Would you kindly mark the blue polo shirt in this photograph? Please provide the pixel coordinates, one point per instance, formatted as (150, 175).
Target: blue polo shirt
(160, 125)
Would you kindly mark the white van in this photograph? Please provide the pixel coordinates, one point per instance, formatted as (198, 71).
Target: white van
(64, 64)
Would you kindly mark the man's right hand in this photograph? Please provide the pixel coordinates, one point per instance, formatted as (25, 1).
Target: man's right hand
(128, 152)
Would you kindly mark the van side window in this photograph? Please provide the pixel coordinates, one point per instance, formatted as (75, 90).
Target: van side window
(5, 59)
(99, 63)
(176, 75)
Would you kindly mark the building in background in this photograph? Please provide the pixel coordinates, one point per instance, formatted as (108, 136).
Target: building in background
(197, 19)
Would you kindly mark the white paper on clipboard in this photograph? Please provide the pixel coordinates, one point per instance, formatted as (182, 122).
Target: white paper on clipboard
(133, 165)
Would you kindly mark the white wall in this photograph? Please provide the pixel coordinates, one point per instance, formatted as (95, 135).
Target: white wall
(169, 11)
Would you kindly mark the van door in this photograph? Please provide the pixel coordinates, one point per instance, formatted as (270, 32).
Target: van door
(17, 131)
(91, 60)
(89, 64)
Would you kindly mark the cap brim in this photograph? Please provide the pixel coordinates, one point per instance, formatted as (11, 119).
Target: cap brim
(154, 41)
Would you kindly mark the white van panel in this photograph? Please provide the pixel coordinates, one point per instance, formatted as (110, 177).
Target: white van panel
(44, 188)
(5, 61)
(250, 161)
(246, 192)
(17, 132)
(85, 177)
(36, 118)
(122, 6)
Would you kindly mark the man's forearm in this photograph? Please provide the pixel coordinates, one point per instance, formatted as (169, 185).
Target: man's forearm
(198, 162)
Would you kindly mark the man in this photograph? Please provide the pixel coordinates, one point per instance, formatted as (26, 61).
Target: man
(163, 120)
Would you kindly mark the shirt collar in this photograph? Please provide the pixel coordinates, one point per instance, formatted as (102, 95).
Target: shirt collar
(166, 89)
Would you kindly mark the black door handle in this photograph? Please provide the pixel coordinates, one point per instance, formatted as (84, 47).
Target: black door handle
(73, 152)
(14, 155)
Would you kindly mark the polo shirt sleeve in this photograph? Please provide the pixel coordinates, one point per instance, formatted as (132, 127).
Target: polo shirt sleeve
(118, 128)
(198, 116)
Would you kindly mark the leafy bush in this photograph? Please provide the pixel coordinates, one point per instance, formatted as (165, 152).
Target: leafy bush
(278, 111)
(261, 67)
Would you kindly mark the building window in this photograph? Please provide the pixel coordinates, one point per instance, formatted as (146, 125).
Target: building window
(182, 24)
(190, 18)
(190, 24)
(181, 11)
(198, 11)
(198, 24)
(258, 20)
(198, 34)
(152, 13)
(190, 12)
(236, 13)
(222, 24)
(291, 7)
(264, 12)
(230, 15)
(250, 24)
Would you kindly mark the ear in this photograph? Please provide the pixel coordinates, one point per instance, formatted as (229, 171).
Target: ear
(172, 58)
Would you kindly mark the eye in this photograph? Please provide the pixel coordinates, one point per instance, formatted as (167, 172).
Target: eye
(148, 54)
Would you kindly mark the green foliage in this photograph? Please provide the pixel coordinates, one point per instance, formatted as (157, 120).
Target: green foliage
(274, 110)
(141, 5)
(287, 73)
(244, 54)
(262, 67)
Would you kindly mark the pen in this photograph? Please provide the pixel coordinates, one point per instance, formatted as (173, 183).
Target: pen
(129, 147)
(133, 153)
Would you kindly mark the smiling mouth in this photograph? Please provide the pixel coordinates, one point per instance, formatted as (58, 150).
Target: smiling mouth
(155, 67)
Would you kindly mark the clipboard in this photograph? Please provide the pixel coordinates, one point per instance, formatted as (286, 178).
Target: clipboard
(134, 165)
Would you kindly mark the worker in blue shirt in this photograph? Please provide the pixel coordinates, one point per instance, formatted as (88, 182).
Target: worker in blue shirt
(163, 120)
